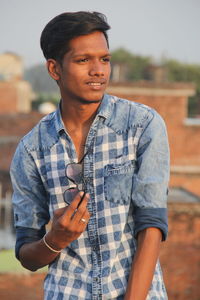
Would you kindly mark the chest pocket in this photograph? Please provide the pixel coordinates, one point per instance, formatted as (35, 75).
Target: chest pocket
(118, 180)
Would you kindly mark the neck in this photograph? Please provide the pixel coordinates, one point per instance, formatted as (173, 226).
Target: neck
(77, 116)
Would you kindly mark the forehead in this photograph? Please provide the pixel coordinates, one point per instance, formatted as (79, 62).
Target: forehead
(93, 42)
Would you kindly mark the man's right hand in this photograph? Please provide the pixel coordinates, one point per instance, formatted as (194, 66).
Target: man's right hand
(69, 223)
(67, 226)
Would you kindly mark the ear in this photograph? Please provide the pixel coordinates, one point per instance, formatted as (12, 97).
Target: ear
(53, 68)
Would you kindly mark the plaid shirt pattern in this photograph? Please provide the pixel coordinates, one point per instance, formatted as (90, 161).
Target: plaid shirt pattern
(122, 202)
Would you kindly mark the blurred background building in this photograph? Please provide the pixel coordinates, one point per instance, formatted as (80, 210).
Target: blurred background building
(16, 94)
(24, 102)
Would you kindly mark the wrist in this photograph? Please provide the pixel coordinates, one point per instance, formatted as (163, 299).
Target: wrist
(50, 244)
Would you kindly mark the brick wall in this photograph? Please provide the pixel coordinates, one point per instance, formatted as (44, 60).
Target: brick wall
(8, 97)
(15, 94)
(12, 128)
(15, 97)
(180, 254)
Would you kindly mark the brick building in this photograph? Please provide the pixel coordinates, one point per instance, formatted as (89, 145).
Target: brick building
(16, 96)
(180, 258)
(15, 93)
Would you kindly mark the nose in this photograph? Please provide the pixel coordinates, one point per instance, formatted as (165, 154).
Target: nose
(96, 69)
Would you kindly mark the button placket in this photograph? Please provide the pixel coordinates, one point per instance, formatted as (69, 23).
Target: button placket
(93, 224)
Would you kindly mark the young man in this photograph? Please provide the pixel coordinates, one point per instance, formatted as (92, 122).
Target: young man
(98, 169)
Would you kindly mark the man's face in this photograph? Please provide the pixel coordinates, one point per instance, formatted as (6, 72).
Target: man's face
(85, 70)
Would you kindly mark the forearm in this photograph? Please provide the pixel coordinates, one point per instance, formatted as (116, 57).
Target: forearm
(36, 255)
(143, 266)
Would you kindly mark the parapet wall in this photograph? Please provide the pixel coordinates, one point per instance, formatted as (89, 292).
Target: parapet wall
(180, 257)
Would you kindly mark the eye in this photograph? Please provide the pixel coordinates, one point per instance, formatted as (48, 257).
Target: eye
(106, 59)
(82, 60)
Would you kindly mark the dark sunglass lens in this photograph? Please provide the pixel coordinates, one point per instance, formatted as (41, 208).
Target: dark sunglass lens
(70, 194)
(74, 172)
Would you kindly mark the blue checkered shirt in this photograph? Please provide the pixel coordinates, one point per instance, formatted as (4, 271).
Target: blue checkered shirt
(126, 173)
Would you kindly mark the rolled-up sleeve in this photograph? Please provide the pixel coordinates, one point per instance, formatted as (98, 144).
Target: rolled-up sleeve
(30, 200)
(150, 184)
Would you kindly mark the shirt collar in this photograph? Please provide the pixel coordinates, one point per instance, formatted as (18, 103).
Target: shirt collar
(106, 107)
(59, 125)
(105, 110)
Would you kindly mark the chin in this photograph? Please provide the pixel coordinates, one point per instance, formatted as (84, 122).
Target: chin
(84, 101)
(91, 99)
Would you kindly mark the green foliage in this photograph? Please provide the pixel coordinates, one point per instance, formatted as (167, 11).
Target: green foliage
(187, 73)
(122, 55)
(182, 72)
(136, 65)
(9, 264)
(45, 97)
(40, 80)
(139, 68)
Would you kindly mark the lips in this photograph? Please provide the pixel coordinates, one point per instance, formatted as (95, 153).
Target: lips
(96, 82)
(96, 86)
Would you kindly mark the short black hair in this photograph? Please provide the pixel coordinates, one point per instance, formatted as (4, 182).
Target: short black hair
(56, 35)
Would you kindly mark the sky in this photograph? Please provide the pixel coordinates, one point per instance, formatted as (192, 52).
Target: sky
(156, 28)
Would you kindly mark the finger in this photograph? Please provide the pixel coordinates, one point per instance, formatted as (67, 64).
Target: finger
(84, 201)
(78, 214)
(84, 218)
(81, 208)
(72, 208)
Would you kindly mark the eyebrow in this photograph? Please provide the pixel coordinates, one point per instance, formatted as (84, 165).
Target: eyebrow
(90, 55)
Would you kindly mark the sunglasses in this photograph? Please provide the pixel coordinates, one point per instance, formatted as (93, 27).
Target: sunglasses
(74, 173)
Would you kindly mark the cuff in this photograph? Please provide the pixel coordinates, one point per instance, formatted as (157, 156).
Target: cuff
(151, 217)
(27, 235)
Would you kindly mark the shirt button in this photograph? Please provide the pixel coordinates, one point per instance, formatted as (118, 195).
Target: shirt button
(90, 180)
(95, 248)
